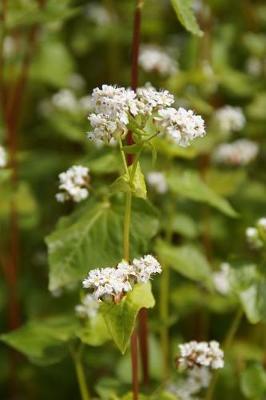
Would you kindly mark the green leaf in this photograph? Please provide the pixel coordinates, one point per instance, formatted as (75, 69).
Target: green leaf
(43, 341)
(250, 287)
(94, 332)
(184, 225)
(93, 237)
(185, 15)
(187, 260)
(137, 186)
(253, 382)
(189, 185)
(120, 318)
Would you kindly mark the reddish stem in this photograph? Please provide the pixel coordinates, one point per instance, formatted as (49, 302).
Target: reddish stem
(143, 315)
(134, 365)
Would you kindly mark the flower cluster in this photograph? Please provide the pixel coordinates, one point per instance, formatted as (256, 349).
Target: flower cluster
(157, 181)
(113, 283)
(221, 279)
(113, 108)
(256, 236)
(88, 307)
(154, 59)
(230, 119)
(197, 379)
(3, 157)
(181, 126)
(206, 354)
(73, 184)
(239, 153)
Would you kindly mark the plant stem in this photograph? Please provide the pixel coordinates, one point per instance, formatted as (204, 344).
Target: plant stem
(164, 316)
(227, 343)
(127, 220)
(84, 392)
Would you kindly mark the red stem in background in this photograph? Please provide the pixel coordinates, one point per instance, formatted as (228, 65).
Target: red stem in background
(134, 364)
(143, 315)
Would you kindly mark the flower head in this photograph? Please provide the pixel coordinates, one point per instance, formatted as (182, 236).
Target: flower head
(207, 354)
(65, 100)
(230, 119)
(181, 126)
(3, 157)
(88, 307)
(154, 59)
(73, 184)
(145, 267)
(221, 279)
(239, 153)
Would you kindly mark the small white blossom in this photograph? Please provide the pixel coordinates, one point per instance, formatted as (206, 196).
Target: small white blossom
(240, 152)
(107, 282)
(145, 267)
(181, 126)
(221, 279)
(150, 100)
(207, 354)
(3, 157)
(65, 100)
(73, 184)
(230, 119)
(157, 181)
(98, 14)
(152, 58)
(88, 307)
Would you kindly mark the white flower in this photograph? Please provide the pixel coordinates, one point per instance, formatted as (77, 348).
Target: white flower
(230, 119)
(197, 378)
(157, 181)
(253, 237)
(145, 267)
(153, 58)
(221, 279)
(254, 66)
(240, 152)
(65, 100)
(3, 157)
(262, 223)
(110, 107)
(88, 307)
(73, 184)
(150, 100)
(207, 354)
(181, 126)
(105, 282)
(98, 14)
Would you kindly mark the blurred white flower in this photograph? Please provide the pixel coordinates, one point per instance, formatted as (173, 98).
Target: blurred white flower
(253, 237)
(157, 181)
(88, 307)
(3, 157)
(230, 119)
(65, 100)
(262, 223)
(221, 279)
(98, 14)
(153, 58)
(254, 66)
(240, 152)
(73, 184)
(9, 46)
(207, 354)
(181, 126)
(197, 379)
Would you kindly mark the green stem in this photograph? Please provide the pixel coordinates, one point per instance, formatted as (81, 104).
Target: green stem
(123, 156)
(227, 343)
(127, 220)
(84, 391)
